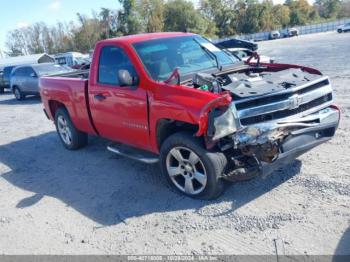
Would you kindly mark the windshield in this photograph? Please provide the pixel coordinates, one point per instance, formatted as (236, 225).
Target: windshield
(188, 53)
(52, 69)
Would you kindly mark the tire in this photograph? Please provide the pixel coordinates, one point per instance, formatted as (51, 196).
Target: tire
(18, 94)
(2, 90)
(197, 167)
(340, 31)
(71, 138)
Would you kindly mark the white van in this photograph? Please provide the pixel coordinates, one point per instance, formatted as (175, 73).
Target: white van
(72, 59)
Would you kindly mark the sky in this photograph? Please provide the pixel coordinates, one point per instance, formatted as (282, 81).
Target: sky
(20, 13)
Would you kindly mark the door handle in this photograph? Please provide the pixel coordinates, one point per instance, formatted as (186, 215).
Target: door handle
(100, 97)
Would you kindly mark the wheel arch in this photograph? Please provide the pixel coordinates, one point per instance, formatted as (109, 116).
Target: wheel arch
(12, 87)
(167, 127)
(54, 105)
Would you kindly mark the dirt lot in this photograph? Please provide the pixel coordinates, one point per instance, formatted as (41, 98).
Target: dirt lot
(53, 201)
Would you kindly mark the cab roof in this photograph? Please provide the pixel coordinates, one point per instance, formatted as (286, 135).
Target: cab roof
(130, 39)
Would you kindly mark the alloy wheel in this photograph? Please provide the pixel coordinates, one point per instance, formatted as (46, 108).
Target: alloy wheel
(186, 170)
(64, 130)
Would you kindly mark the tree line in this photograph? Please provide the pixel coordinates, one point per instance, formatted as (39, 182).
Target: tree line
(212, 18)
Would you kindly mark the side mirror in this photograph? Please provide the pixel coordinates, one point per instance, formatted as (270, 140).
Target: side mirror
(126, 79)
(32, 75)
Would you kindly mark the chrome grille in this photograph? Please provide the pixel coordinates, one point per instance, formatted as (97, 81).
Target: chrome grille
(303, 99)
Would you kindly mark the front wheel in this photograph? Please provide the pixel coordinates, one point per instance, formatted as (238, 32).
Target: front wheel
(340, 31)
(191, 169)
(71, 137)
(2, 90)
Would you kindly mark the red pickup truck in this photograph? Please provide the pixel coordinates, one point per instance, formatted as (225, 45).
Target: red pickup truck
(205, 116)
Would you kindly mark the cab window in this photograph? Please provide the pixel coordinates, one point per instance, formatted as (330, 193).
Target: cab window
(19, 72)
(29, 71)
(113, 59)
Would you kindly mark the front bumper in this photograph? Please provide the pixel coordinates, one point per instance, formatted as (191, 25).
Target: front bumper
(299, 136)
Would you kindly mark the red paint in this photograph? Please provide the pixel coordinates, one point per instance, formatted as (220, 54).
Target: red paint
(174, 75)
(256, 56)
(71, 93)
(278, 67)
(221, 101)
(123, 115)
(130, 115)
(336, 107)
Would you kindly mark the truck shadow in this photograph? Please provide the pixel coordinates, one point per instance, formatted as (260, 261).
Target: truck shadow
(29, 100)
(106, 188)
(342, 252)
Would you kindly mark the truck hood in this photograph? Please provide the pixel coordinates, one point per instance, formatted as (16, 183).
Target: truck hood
(246, 85)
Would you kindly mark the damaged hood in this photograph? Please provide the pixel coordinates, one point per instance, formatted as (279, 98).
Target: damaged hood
(244, 85)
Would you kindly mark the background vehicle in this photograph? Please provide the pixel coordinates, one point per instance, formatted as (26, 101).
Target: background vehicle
(25, 79)
(1, 79)
(5, 79)
(176, 99)
(244, 55)
(292, 32)
(344, 28)
(236, 43)
(72, 59)
(274, 35)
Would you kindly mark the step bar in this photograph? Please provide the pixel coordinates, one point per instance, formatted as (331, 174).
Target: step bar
(133, 153)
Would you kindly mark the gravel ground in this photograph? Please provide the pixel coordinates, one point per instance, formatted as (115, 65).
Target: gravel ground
(53, 201)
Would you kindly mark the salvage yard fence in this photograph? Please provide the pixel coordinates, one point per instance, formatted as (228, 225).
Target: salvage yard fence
(303, 30)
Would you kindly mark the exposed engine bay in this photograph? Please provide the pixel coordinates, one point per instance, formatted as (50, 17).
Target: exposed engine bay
(251, 83)
(271, 113)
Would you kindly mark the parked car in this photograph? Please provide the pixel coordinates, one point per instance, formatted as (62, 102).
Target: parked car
(292, 32)
(344, 28)
(25, 79)
(1, 79)
(274, 35)
(244, 54)
(237, 43)
(5, 79)
(206, 117)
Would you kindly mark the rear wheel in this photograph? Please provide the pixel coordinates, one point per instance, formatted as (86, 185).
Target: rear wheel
(2, 90)
(71, 137)
(340, 31)
(18, 93)
(191, 169)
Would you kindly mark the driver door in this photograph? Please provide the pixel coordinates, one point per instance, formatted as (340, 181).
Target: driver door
(119, 113)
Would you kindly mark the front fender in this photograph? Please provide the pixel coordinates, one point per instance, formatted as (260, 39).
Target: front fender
(185, 104)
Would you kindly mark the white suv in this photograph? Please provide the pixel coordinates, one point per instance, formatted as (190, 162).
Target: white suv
(344, 28)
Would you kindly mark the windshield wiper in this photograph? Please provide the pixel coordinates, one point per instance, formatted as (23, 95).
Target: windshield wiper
(210, 53)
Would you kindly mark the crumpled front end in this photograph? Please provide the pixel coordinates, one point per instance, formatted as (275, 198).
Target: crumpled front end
(275, 144)
(262, 133)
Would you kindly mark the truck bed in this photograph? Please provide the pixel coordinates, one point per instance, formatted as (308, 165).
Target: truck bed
(71, 90)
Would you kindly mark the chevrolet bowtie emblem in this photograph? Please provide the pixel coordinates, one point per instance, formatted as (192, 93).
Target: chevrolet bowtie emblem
(294, 101)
